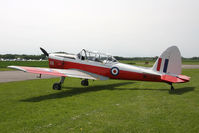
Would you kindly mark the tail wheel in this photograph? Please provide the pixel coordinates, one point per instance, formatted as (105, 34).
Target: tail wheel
(85, 82)
(56, 86)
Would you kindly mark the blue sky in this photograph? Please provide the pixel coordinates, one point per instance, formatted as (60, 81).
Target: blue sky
(120, 27)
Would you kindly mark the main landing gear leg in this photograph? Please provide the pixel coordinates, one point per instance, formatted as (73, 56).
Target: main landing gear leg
(172, 88)
(58, 86)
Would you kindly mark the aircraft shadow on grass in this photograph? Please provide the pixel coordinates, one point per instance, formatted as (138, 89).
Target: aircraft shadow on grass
(181, 91)
(71, 91)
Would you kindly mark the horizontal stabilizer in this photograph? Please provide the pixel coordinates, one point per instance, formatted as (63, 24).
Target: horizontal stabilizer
(173, 79)
(184, 77)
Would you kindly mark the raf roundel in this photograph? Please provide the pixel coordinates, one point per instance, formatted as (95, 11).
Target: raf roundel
(114, 71)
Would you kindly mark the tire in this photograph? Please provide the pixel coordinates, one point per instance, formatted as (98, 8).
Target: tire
(56, 86)
(84, 82)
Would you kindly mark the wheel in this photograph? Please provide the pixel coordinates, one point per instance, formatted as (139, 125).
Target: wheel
(56, 86)
(172, 88)
(84, 82)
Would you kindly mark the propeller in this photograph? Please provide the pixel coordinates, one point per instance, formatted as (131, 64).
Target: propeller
(44, 51)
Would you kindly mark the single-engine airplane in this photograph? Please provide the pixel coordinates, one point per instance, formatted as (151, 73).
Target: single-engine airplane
(99, 66)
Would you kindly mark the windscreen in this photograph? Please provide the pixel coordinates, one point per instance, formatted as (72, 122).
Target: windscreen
(96, 56)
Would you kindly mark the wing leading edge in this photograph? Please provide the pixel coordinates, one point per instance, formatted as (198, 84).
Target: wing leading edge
(56, 72)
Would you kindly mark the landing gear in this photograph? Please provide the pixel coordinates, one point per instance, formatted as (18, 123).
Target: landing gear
(172, 88)
(58, 86)
(84, 82)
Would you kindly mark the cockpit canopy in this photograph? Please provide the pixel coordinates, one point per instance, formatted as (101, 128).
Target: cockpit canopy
(96, 56)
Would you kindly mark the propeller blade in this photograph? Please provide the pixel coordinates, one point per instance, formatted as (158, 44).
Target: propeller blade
(44, 51)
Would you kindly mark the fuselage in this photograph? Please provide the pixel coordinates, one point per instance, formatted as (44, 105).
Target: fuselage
(112, 70)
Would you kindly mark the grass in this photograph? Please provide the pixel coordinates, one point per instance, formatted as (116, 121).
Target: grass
(105, 106)
(142, 63)
(4, 64)
(190, 62)
(6, 69)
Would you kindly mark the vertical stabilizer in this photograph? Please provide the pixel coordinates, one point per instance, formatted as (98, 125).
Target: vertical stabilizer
(169, 61)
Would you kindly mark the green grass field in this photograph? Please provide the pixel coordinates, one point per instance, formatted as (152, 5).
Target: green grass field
(4, 64)
(142, 63)
(111, 106)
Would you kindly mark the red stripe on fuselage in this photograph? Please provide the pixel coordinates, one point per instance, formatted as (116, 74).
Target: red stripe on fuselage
(159, 64)
(85, 67)
(104, 71)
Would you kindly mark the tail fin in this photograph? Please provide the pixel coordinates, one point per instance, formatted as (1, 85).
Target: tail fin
(169, 61)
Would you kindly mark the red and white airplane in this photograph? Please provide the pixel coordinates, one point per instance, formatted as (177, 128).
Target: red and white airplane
(99, 66)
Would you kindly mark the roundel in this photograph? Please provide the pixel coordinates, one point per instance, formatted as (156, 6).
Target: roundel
(115, 71)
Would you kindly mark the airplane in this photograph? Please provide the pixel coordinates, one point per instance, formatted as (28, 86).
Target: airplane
(89, 65)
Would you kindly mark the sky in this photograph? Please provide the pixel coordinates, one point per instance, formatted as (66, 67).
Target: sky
(129, 28)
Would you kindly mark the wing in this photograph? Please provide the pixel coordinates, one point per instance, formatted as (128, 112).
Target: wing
(55, 72)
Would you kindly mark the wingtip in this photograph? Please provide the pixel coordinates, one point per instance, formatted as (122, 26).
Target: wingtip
(17, 68)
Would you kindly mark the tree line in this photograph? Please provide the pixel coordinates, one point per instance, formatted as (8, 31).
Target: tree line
(23, 56)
